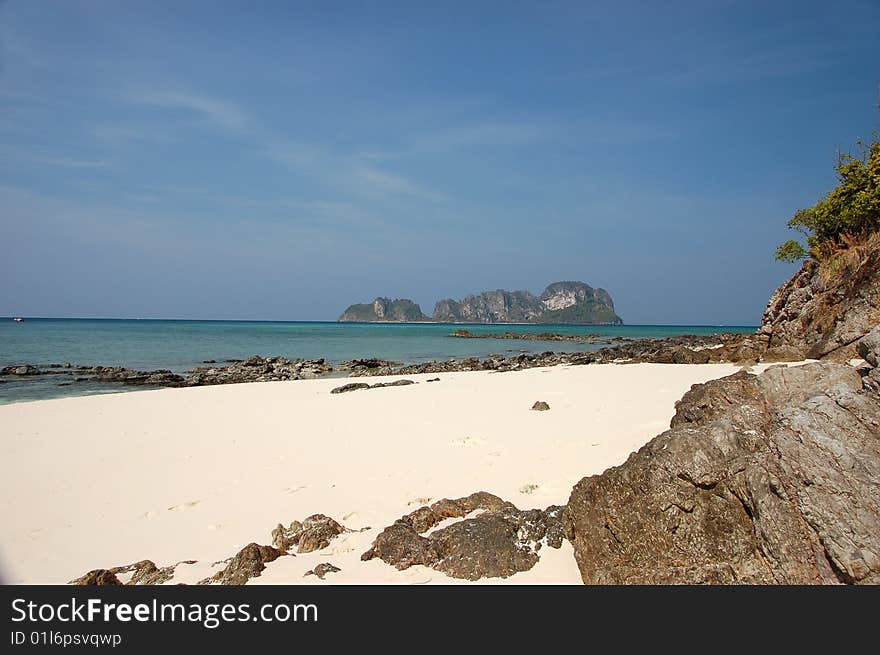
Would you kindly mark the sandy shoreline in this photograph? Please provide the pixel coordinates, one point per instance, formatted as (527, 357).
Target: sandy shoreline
(197, 473)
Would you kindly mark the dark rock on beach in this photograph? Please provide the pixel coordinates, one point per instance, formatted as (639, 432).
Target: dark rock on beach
(322, 569)
(540, 406)
(357, 386)
(313, 533)
(144, 572)
(499, 542)
(359, 367)
(162, 377)
(97, 577)
(258, 369)
(351, 386)
(247, 563)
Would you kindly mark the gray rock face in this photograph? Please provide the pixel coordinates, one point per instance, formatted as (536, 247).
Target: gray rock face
(768, 479)
(499, 542)
(868, 347)
(824, 314)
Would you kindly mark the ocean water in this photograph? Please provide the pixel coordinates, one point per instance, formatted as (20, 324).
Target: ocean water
(182, 345)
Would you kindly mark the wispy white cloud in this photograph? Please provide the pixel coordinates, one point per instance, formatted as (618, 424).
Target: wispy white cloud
(115, 134)
(374, 181)
(348, 172)
(221, 113)
(15, 155)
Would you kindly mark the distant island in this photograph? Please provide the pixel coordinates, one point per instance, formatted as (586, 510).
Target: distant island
(560, 302)
(400, 310)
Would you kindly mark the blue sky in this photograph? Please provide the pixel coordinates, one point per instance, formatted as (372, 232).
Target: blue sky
(281, 160)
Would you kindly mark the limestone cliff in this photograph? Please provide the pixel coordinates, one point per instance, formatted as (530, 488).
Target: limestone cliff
(560, 302)
(400, 310)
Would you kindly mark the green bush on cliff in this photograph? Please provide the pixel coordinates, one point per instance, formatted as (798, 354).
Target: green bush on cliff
(851, 209)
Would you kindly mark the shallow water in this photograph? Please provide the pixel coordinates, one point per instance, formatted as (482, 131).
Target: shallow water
(182, 345)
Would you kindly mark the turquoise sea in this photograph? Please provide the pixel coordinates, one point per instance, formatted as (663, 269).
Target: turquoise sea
(180, 345)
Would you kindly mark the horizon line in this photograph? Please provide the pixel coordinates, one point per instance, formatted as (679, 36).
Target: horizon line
(269, 320)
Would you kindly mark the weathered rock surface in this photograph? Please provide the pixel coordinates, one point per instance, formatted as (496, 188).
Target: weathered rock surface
(313, 533)
(868, 347)
(247, 563)
(540, 406)
(97, 577)
(258, 369)
(144, 572)
(825, 314)
(768, 479)
(370, 366)
(499, 542)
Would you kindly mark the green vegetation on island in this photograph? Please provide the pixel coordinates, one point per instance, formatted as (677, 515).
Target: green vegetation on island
(399, 310)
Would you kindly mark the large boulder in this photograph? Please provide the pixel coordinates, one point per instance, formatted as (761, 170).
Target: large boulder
(497, 543)
(761, 479)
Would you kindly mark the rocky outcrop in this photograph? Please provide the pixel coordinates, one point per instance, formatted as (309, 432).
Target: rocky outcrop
(688, 349)
(358, 367)
(768, 479)
(258, 369)
(253, 369)
(823, 313)
(247, 563)
(560, 302)
(313, 533)
(144, 572)
(21, 370)
(500, 541)
(399, 310)
(97, 578)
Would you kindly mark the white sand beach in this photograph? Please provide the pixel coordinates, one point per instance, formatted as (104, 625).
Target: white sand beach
(196, 474)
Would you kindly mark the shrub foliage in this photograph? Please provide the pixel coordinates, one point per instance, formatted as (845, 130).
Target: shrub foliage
(851, 209)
